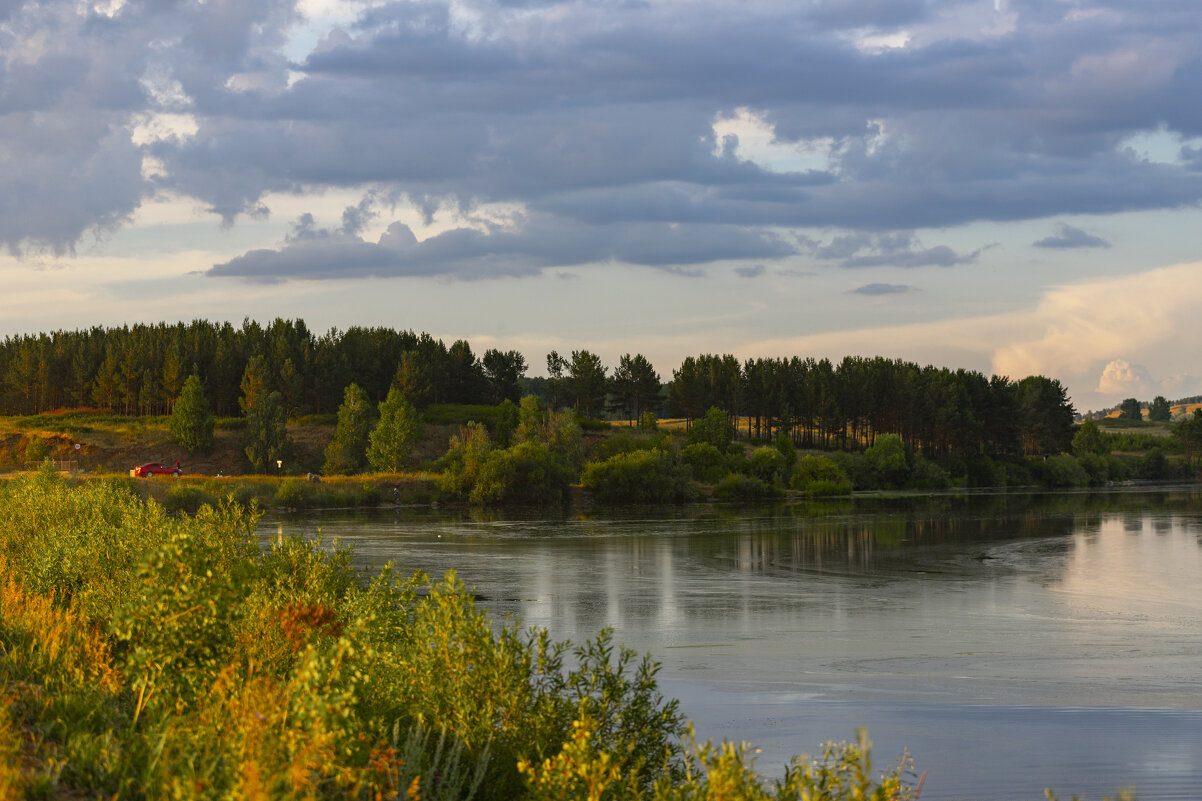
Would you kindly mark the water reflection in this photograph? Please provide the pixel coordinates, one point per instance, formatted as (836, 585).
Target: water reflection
(962, 628)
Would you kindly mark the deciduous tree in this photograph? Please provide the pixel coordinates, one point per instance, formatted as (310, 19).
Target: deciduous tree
(1160, 411)
(395, 435)
(347, 451)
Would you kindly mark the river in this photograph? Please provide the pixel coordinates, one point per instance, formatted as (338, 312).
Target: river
(1009, 642)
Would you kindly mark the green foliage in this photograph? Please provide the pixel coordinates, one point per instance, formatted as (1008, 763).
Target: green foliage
(714, 428)
(1045, 416)
(35, 451)
(707, 463)
(460, 414)
(887, 456)
(1059, 471)
(527, 473)
(1090, 439)
(187, 498)
(395, 435)
(784, 444)
(926, 474)
(508, 418)
(1159, 411)
(622, 443)
(464, 459)
(587, 381)
(1153, 465)
(1188, 437)
(347, 451)
(648, 421)
(768, 465)
(1131, 409)
(819, 476)
(639, 476)
(503, 371)
(155, 656)
(254, 385)
(1097, 468)
(266, 433)
(635, 385)
(737, 486)
(191, 423)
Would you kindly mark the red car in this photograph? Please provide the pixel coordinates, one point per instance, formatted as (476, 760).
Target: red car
(155, 469)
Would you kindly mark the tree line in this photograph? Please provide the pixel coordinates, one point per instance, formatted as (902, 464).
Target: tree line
(142, 370)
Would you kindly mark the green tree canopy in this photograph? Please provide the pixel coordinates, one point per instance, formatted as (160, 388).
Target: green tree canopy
(1045, 416)
(1090, 439)
(557, 367)
(503, 371)
(715, 428)
(1130, 409)
(636, 385)
(588, 382)
(347, 451)
(191, 424)
(1160, 411)
(254, 384)
(395, 435)
(266, 433)
(888, 458)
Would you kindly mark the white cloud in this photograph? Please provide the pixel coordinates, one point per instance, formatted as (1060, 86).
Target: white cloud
(1122, 378)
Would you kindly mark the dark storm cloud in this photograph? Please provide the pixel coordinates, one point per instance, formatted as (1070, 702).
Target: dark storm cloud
(754, 271)
(1068, 236)
(597, 116)
(875, 290)
(464, 253)
(896, 249)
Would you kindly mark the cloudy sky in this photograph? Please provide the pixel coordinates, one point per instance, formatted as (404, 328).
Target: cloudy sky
(1010, 186)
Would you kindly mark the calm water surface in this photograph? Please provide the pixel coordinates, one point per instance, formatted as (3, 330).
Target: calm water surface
(1011, 643)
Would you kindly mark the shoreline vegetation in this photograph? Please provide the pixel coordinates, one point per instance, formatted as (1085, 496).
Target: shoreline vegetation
(156, 655)
(526, 455)
(335, 417)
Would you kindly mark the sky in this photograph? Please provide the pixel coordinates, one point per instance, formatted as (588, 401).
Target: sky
(1009, 186)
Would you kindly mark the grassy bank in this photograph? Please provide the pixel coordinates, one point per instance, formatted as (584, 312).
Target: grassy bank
(151, 655)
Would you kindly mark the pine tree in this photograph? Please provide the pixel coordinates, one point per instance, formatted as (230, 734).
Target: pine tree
(267, 433)
(191, 424)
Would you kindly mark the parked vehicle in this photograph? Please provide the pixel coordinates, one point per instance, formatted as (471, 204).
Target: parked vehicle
(155, 469)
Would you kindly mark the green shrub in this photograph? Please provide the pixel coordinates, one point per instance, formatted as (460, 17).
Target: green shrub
(638, 477)
(819, 476)
(1096, 468)
(857, 468)
(767, 464)
(737, 486)
(887, 456)
(622, 443)
(187, 498)
(294, 493)
(1059, 471)
(707, 463)
(926, 474)
(527, 473)
(715, 428)
(1153, 465)
(36, 451)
